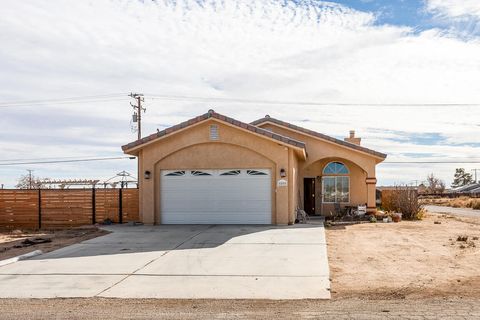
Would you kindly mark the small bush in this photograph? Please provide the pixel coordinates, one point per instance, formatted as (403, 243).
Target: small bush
(475, 204)
(404, 199)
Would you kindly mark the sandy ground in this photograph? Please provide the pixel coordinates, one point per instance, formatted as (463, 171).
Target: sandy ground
(418, 259)
(60, 238)
(106, 309)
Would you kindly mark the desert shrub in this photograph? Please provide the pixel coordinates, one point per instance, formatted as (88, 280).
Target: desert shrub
(475, 204)
(403, 199)
(457, 203)
(464, 202)
(387, 200)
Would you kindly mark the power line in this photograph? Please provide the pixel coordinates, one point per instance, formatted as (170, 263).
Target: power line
(64, 161)
(49, 158)
(81, 99)
(49, 104)
(120, 96)
(308, 103)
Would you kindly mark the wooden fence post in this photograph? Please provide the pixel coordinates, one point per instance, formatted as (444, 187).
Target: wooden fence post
(94, 207)
(39, 208)
(120, 206)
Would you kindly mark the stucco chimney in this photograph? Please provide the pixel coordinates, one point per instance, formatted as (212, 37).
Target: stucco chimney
(353, 139)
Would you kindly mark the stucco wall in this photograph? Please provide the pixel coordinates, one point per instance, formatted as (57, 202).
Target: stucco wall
(235, 148)
(321, 152)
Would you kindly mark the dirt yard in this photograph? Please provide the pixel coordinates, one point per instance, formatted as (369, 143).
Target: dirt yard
(420, 259)
(11, 241)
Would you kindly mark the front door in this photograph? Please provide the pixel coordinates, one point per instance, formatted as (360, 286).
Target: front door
(309, 195)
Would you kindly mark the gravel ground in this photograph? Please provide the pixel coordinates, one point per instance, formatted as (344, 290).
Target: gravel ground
(105, 309)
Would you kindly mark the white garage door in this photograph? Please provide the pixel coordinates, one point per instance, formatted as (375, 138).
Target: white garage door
(236, 196)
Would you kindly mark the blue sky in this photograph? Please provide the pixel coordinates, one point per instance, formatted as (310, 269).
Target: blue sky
(407, 12)
(366, 53)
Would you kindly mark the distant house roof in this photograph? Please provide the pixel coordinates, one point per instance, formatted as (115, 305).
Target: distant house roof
(473, 187)
(267, 118)
(212, 114)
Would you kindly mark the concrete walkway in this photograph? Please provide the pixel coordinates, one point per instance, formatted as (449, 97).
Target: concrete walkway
(184, 262)
(465, 212)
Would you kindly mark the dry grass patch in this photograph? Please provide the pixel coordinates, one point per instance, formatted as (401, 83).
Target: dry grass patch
(460, 202)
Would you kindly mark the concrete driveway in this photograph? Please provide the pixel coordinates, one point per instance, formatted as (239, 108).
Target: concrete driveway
(182, 262)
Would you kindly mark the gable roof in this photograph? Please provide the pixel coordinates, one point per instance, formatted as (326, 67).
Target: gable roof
(212, 114)
(322, 136)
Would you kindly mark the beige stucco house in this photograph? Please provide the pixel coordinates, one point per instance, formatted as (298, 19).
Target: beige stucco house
(216, 170)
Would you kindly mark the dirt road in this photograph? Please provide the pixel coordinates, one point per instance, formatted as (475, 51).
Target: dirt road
(461, 212)
(107, 309)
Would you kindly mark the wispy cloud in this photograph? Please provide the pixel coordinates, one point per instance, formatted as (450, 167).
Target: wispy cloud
(462, 17)
(455, 8)
(273, 50)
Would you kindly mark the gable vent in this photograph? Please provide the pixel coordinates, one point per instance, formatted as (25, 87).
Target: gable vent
(214, 132)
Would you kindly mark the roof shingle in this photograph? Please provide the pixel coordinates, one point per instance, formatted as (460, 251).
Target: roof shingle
(213, 114)
(267, 118)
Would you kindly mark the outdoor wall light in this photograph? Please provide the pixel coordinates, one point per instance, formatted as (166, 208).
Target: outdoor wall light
(283, 173)
(147, 175)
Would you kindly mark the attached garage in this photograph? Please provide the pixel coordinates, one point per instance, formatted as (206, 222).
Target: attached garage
(216, 170)
(226, 196)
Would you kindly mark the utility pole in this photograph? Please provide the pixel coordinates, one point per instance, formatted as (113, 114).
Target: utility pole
(475, 170)
(29, 178)
(137, 113)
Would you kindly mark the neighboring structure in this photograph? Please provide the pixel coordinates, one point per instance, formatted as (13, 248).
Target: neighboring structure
(471, 188)
(216, 170)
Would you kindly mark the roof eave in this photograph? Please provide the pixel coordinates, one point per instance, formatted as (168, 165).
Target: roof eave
(134, 147)
(378, 155)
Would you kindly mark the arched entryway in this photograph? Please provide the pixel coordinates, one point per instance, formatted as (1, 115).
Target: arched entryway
(331, 183)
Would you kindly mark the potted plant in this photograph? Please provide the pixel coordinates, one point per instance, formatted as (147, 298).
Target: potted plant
(397, 217)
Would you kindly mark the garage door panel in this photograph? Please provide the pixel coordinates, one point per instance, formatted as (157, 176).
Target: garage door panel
(211, 218)
(202, 196)
(239, 198)
(181, 206)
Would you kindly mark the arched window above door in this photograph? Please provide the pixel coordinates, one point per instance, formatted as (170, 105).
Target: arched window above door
(335, 168)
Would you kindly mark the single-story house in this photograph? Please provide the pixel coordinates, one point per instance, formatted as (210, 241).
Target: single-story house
(213, 169)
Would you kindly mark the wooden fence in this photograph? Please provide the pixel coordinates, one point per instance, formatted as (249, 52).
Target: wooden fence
(61, 208)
